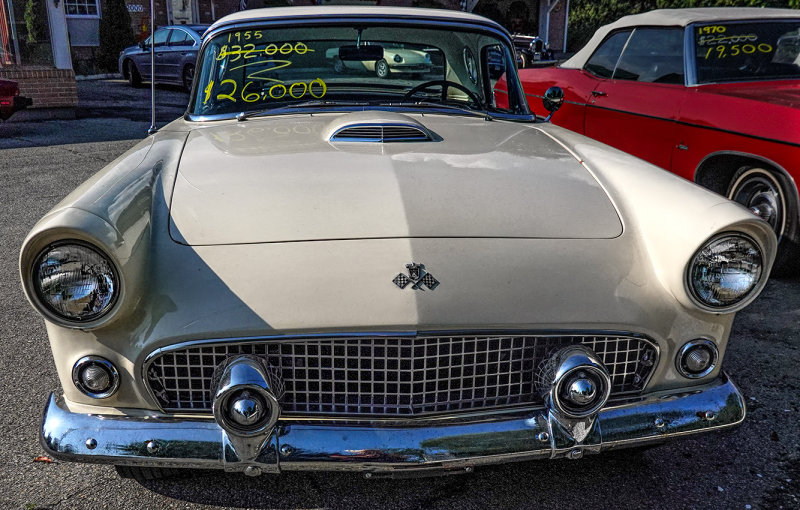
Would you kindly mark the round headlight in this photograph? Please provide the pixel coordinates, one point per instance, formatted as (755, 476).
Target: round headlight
(725, 271)
(75, 282)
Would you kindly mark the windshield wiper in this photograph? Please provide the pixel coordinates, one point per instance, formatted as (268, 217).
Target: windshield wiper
(280, 109)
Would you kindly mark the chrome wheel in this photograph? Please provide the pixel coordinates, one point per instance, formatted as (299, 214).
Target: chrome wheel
(759, 190)
(382, 69)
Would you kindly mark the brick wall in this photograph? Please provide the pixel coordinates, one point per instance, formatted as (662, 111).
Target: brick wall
(49, 88)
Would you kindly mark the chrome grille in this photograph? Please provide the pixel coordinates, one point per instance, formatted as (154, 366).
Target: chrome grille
(394, 375)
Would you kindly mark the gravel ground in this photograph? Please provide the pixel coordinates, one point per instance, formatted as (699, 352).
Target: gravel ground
(754, 466)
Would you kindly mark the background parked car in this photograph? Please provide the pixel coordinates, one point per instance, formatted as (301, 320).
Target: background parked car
(710, 94)
(10, 100)
(175, 56)
(395, 60)
(532, 50)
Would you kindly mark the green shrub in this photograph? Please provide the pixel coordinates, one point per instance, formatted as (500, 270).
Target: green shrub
(36, 21)
(115, 34)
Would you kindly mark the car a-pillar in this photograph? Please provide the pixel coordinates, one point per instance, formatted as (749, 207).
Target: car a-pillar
(767, 191)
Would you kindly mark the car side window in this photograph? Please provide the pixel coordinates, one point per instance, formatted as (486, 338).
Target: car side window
(160, 37)
(604, 60)
(180, 38)
(653, 55)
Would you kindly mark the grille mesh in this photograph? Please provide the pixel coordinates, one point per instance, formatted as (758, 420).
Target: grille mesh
(390, 376)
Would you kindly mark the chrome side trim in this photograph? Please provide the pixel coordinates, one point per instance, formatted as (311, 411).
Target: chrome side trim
(199, 443)
(150, 358)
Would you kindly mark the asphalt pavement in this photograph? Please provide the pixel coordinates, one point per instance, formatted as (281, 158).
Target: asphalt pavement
(756, 465)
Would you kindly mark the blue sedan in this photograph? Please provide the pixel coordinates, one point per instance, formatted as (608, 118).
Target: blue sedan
(176, 49)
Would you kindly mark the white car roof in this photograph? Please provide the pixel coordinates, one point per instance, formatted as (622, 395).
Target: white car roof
(349, 10)
(676, 18)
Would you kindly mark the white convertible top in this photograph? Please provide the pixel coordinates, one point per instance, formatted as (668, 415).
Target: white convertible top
(676, 18)
(271, 13)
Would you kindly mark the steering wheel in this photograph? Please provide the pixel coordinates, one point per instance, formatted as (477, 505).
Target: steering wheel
(445, 84)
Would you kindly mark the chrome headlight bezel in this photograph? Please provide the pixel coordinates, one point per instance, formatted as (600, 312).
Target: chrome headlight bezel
(34, 287)
(747, 297)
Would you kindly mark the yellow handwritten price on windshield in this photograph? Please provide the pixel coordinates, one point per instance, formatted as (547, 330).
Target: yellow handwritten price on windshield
(250, 51)
(735, 50)
(244, 36)
(316, 88)
(718, 29)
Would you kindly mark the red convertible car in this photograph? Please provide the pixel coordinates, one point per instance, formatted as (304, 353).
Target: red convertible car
(10, 100)
(712, 95)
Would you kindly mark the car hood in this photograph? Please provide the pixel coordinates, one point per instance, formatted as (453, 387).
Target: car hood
(280, 179)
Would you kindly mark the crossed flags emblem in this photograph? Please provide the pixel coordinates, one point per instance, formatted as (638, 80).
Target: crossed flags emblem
(417, 277)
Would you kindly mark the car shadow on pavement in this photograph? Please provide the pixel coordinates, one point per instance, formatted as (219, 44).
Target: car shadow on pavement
(611, 478)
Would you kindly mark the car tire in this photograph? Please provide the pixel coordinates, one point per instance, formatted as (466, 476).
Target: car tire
(338, 66)
(382, 69)
(187, 77)
(771, 196)
(146, 474)
(134, 78)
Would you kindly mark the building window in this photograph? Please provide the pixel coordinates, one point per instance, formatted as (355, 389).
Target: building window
(24, 34)
(81, 7)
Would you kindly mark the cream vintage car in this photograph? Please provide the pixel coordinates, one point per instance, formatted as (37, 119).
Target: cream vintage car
(314, 271)
(391, 59)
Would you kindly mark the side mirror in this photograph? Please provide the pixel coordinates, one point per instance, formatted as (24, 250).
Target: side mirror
(142, 45)
(552, 100)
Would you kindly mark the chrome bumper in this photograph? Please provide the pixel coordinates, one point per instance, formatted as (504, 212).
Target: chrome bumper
(452, 444)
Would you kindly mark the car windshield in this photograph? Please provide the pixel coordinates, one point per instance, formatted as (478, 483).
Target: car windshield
(747, 51)
(266, 68)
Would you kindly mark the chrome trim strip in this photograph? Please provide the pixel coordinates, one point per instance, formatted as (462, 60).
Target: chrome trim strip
(195, 443)
(150, 358)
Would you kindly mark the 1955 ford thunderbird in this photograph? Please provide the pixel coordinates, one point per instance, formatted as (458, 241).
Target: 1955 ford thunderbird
(316, 270)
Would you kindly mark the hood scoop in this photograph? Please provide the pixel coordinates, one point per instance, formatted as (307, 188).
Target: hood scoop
(381, 127)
